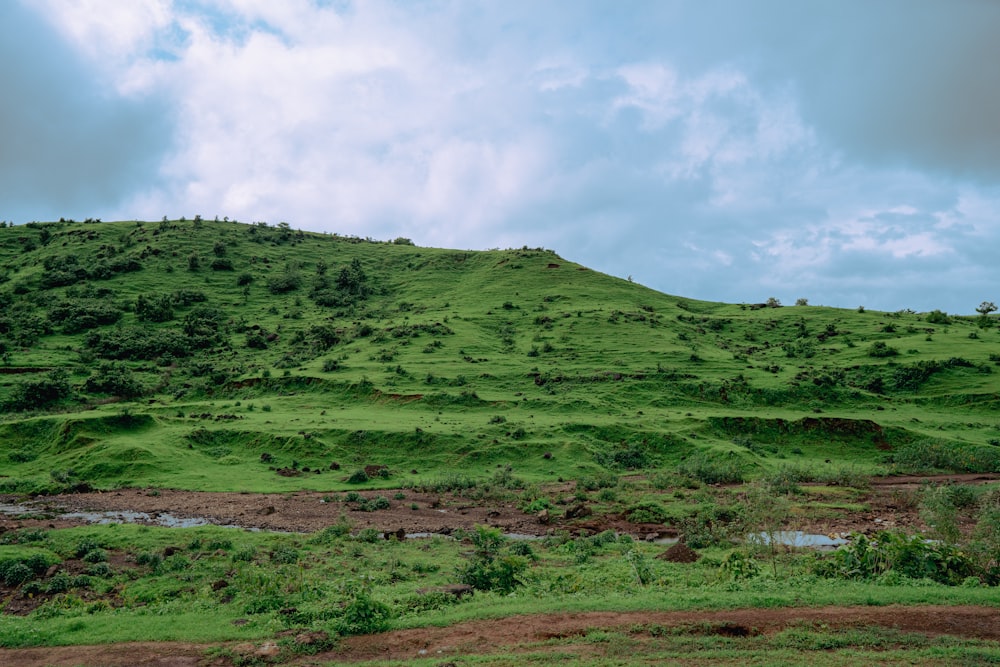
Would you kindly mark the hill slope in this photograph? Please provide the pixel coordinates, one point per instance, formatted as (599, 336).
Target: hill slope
(227, 356)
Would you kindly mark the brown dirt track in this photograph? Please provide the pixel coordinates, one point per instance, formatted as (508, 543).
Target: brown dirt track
(507, 634)
(304, 511)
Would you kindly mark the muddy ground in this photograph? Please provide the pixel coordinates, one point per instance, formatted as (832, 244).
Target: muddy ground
(891, 504)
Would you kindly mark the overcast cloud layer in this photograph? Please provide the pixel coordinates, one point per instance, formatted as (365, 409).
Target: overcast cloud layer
(846, 152)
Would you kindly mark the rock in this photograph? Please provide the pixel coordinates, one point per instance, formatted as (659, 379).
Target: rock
(458, 590)
(543, 517)
(51, 571)
(266, 511)
(578, 511)
(311, 638)
(268, 650)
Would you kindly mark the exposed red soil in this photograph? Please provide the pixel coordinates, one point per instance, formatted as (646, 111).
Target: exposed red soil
(303, 511)
(512, 634)
(891, 504)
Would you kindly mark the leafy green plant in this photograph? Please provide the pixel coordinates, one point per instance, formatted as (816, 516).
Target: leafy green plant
(492, 566)
(713, 470)
(363, 614)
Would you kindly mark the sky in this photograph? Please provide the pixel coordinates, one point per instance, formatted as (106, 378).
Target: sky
(842, 151)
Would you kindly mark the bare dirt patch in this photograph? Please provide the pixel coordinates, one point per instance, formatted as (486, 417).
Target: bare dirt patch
(514, 633)
(890, 504)
(304, 511)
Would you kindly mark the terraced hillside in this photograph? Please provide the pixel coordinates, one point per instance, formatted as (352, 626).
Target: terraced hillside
(541, 431)
(216, 355)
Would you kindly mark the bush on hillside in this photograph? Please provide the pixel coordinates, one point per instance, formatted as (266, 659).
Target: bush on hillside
(114, 378)
(880, 350)
(38, 393)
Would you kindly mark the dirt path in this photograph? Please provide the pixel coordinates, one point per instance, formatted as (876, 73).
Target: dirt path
(507, 634)
(915, 481)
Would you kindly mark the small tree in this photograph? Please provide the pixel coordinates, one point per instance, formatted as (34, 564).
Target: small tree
(773, 302)
(984, 310)
(802, 302)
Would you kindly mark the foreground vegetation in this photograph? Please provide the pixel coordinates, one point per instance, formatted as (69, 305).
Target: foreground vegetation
(123, 582)
(218, 356)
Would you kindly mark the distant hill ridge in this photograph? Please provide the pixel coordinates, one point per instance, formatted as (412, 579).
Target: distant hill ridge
(180, 353)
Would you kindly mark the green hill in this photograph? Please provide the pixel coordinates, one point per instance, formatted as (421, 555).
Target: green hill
(216, 355)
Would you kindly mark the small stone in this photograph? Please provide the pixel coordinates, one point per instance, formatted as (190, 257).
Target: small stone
(268, 650)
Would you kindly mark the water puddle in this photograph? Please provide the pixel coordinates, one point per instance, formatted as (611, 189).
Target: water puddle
(797, 538)
(791, 538)
(164, 519)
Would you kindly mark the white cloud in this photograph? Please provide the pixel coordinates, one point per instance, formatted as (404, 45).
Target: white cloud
(107, 29)
(455, 124)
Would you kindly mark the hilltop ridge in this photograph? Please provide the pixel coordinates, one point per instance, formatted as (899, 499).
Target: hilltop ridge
(180, 353)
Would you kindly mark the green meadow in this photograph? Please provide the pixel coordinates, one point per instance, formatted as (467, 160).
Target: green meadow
(221, 356)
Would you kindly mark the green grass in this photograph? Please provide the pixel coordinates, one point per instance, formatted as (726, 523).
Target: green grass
(438, 348)
(318, 349)
(205, 578)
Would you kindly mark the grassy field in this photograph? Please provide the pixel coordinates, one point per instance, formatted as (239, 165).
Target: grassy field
(221, 356)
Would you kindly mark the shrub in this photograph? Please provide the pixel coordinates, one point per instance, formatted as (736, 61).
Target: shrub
(713, 470)
(114, 378)
(154, 308)
(647, 511)
(630, 458)
(14, 573)
(910, 556)
(879, 350)
(39, 393)
(364, 615)
(284, 282)
(739, 565)
(358, 477)
(285, 555)
(937, 317)
(492, 567)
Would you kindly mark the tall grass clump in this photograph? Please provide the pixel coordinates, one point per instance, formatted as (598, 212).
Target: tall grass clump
(713, 470)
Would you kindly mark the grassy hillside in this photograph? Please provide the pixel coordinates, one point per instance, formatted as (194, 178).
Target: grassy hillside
(216, 355)
(493, 392)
